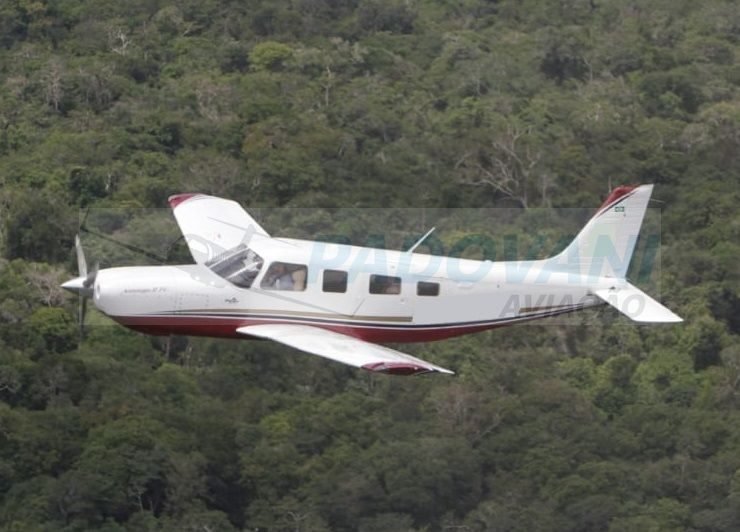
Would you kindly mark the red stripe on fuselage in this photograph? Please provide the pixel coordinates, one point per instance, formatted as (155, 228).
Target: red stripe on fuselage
(226, 327)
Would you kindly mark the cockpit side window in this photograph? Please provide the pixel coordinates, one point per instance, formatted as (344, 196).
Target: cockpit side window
(285, 276)
(239, 265)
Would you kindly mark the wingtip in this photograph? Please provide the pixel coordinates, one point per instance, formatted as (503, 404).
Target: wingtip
(403, 368)
(177, 199)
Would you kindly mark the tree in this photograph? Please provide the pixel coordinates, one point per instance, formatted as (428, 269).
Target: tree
(38, 228)
(269, 55)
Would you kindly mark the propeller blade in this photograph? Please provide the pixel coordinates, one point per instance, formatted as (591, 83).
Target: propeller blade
(81, 262)
(81, 315)
(82, 285)
(90, 277)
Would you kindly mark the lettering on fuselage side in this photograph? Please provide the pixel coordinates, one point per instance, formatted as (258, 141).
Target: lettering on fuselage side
(530, 304)
(546, 303)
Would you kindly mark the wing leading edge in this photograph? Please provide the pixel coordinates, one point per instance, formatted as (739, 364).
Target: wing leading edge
(343, 348)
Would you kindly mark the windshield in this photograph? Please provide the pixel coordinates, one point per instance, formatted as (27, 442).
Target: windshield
(239, 265)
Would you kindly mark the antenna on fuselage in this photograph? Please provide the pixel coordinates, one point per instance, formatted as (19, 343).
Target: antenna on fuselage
(420, 241)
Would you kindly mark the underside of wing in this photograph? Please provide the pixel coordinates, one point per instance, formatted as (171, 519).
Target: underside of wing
(343, 348)
(213, 225)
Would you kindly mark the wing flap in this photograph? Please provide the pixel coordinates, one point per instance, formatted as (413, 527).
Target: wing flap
(342, 348)
(636, 304)
(212, 225)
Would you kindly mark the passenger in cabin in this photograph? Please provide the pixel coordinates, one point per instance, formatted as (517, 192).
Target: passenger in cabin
(393, 287)
(384, 284)
(282, 276)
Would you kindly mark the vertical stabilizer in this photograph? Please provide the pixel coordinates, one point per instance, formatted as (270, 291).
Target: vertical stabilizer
(605, 245)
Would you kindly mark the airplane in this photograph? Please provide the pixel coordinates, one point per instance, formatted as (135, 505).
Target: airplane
(341, 301)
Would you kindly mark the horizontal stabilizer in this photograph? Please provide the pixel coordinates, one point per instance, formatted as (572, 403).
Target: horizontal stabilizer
(342, 348)
(636, 304)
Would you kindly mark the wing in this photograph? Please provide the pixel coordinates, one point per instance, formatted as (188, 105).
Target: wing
(212, 225)
(343, 348)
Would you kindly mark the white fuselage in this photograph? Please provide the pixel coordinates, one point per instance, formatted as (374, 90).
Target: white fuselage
(460, 295)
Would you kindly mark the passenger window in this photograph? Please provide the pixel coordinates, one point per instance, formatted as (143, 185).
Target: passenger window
(335, 281)
(385, 284)
(285, 276)
(424, 288)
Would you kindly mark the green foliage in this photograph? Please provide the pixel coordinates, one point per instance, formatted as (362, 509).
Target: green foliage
(56, 327)
(322, 103)
(269, 55)
(37, 227)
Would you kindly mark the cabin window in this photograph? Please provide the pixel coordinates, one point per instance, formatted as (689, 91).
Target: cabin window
(424, 288)
(335, 281)
(239, 265)
(285, 276)
(385, 284)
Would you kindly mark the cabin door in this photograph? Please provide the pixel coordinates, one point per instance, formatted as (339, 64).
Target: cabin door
(384, 298)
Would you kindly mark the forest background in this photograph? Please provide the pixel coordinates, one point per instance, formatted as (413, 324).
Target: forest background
(532, 104)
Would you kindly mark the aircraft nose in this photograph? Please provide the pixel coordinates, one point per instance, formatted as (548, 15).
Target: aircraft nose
(76, 285)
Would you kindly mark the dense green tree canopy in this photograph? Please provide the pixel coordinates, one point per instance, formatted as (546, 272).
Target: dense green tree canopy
(594, 423)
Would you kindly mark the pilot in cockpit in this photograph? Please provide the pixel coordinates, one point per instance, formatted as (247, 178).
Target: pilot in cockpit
(280, 278)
